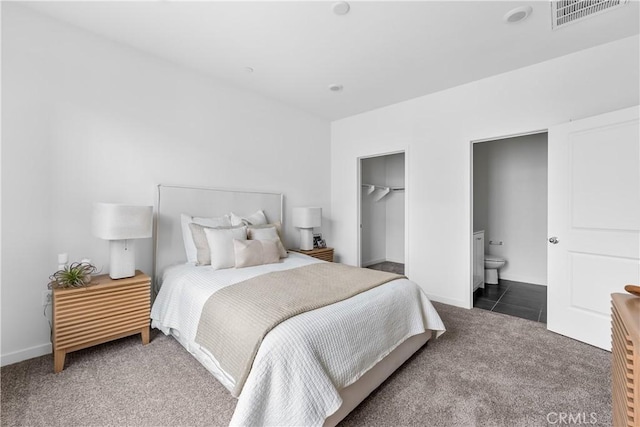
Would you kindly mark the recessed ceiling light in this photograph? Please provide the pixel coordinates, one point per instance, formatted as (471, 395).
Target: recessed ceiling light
(248, 70)
(335, 88)
(518, 14)
(340, 8)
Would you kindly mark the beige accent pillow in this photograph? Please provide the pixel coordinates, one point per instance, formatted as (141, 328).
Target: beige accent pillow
(255, 252)
(220, 242)
(256, 218)
(277, 225)
(267, 232)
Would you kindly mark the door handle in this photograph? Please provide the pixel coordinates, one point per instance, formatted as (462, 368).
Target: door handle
(553, 240)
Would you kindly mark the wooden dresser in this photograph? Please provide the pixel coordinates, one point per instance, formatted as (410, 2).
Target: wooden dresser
(325, 254)
(105, 310)
(625, 360)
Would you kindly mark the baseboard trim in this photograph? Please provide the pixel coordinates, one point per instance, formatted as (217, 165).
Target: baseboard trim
(523, 279)
(448, 301)
(27, 353)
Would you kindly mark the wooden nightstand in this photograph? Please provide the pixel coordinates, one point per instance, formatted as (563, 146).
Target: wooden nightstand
(625, 359)
(325, 254)
(105, 310)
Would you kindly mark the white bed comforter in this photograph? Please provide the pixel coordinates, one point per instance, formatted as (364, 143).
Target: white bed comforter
(303, 362)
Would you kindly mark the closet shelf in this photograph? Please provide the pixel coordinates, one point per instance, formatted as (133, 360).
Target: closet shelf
(382, 190)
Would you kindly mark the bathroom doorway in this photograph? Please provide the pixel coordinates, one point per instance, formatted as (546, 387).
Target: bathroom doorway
(382, 212)
(509, 194)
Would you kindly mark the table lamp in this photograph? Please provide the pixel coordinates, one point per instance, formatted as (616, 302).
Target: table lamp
(305, 219)
(120, 224)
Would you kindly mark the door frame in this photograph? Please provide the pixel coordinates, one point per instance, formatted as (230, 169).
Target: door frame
(359, 160)
(471, 145)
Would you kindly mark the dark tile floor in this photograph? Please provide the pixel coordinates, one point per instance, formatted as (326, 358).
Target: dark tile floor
(391, 267)
(518, 299)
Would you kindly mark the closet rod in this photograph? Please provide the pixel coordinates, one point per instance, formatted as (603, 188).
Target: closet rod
(381, 187)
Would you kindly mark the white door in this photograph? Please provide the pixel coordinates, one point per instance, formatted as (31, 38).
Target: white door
(594, 213)
(478, 260)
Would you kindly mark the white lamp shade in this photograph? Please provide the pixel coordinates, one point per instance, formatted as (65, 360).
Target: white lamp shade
(120, 222)
(307, 217)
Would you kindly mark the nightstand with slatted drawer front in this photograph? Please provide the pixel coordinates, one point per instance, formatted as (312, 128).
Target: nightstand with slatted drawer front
(105, 310)
(325, 254)
(625, 360)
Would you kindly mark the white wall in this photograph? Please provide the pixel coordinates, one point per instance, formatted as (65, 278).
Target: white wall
(394, 202)
(514, 195)
(480, 191)
(437, 131)
(373, 214)
(85, 119)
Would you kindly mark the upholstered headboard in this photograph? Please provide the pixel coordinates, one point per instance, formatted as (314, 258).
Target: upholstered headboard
(173, 200)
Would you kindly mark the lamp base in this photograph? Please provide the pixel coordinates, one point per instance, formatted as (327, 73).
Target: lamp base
(306, 239)
(122, 261)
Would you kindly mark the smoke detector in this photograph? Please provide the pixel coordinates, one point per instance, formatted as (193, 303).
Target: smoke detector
(335, 88)
(518, 14)
(340, 8)
(566, 12)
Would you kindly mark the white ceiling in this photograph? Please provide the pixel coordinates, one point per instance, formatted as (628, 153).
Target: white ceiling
(381, 52)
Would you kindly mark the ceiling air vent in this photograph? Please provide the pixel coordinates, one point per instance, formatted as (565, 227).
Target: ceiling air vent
(566, 12)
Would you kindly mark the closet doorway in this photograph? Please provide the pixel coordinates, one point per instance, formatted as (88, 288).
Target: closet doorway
(383, 212)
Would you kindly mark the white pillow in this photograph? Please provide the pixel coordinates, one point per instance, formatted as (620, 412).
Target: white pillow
(200, 240)
(255, 252)
(256, 218)
(269, 233)
(221, 245)
(189, 245)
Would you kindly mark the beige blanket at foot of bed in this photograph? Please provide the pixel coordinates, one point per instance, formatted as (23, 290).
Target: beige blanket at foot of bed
(235, 319)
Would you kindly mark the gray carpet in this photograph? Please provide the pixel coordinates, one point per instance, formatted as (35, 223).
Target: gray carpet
(488, 369)
(391, 267)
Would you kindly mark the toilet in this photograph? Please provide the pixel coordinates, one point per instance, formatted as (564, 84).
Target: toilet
(492, 264)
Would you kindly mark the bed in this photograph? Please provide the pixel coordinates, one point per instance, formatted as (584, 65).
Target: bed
(310, 369)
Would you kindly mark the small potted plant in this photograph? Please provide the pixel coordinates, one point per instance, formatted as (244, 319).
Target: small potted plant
(76, 275)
